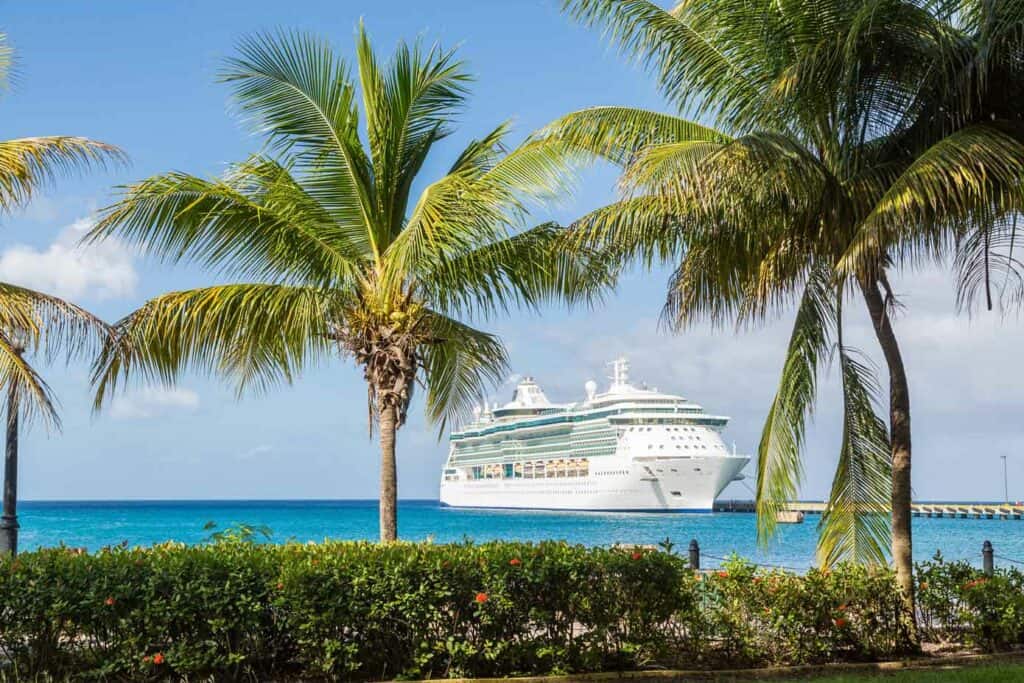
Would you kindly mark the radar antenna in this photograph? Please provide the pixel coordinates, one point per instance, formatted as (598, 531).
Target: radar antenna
(620, 371)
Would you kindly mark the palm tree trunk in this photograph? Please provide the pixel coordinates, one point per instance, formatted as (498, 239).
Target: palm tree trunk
(388, 475)
(899, 433)
(9, 519)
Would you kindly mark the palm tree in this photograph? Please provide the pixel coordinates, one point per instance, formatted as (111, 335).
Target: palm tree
(336, 255)
(817, 173)
(30, 320)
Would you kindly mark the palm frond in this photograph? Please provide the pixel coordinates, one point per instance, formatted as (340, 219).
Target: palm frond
(410, 104)
(296, 92)
(6, 60)
(32, 395)
(643, 228)
(855, 524)
(528, 269)
(256, 222)
(691, 69)
(988, 266)
(29, 164)
(617, 134)
(459, 363)
(46, 323)
(482, 202)
(256, 335)
(779, 465)
(965, 174)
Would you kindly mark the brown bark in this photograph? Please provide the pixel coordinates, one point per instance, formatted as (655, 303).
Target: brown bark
(388, 473)
(899, 433)
(9, 518)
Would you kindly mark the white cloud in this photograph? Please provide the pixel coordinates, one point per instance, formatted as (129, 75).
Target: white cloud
(153, 402)
(104, 270)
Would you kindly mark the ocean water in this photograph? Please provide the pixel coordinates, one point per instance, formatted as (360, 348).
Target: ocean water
(96, 524)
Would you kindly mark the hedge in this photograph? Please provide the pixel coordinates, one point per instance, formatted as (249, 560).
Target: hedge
(234, 609)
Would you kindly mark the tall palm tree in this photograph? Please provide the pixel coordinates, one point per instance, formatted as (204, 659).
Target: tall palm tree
(809, 152)
(31, 321)
(336, 254)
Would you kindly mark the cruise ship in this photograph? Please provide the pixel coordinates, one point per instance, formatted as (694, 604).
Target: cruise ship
(628, 449)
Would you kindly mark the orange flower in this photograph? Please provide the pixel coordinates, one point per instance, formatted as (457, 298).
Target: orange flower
(924, 585)
(158, 659)
(839, 622)
(842, 607)
(109, 602)
(280, 586)
(481, 597)
(757, 579)
(515, 562)
(637, 555)
(723, 574)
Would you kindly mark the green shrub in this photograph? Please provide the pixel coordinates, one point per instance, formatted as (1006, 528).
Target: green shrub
(959, 604)
(236, 609)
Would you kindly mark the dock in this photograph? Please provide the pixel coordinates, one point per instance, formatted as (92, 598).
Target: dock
(935, 510)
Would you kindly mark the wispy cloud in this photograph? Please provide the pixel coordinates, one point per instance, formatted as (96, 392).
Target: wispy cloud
(153, 402)
(255, 452)
(105, 270)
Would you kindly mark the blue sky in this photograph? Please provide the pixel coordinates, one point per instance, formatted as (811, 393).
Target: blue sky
(142, 76)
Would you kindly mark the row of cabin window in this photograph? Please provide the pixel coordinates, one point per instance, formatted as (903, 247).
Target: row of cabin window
(537, 469)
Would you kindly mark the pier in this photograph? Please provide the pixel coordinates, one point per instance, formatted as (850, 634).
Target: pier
(936, 510)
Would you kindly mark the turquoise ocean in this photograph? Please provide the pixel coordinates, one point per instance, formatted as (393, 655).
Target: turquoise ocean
(96, 524)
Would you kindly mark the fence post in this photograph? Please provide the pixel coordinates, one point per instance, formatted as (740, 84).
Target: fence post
(694, 555)
(987, 564)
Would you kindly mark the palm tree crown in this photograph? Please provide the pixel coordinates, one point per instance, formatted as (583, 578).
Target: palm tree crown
(337, 253)
(829, 141)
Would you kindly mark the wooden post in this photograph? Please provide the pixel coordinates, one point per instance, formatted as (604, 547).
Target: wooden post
(987, 563)
(694, 555)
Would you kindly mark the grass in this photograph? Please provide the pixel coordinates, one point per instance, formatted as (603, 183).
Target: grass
(1004, 673)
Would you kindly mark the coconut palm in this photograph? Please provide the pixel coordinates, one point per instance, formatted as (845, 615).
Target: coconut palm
(31, 321)
(807, 166)
(335, 253)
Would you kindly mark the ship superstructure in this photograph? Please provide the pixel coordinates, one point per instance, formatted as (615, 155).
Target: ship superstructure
(626, 449)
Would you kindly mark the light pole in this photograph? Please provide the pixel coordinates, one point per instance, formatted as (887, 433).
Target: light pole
(1006, 485)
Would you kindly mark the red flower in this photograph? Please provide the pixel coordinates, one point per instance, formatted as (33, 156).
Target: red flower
(839, 622)
(109, 602)
(637, 555)
(481, 597)
(158, 659)
(723, 574)
(515, 562)
(972, 584)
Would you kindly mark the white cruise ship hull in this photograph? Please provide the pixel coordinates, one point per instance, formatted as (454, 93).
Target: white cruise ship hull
(627, 449)
(616, 484)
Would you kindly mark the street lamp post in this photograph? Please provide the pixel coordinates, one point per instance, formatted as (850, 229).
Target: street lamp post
(1006, 485)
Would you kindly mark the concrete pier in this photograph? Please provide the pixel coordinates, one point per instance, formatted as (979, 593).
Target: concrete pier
(935, 510)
